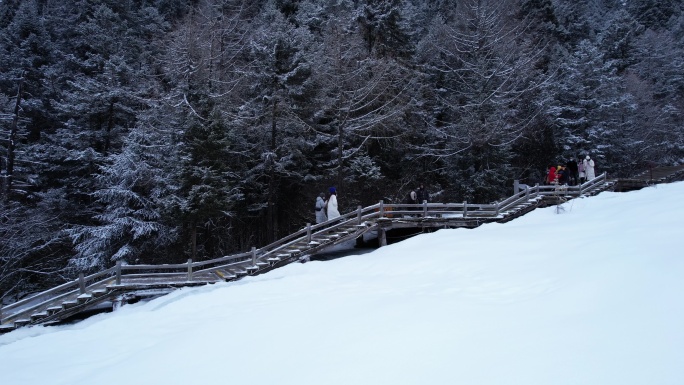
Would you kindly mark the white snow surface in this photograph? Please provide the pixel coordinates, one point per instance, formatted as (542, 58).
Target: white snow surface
(591, 295)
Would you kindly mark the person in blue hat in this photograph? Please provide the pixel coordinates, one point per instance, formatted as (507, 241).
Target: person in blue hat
(331, 205)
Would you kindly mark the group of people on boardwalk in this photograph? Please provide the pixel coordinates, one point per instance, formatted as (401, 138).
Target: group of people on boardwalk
(572, 172)
(326, 206)
(418, 195)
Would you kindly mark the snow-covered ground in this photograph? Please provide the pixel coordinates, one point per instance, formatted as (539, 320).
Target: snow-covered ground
(593, 295)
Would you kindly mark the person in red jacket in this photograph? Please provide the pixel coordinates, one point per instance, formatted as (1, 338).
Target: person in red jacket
(551, 177)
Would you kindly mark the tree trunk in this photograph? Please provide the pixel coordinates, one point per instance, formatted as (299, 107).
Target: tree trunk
(340, 156)
(271, 216)
(193, 236)
(11, 142)
(110, 127)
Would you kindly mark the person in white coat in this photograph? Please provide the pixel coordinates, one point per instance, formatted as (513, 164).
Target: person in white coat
(320, 209)
(582, 174)
(333, 211)
(589, 168)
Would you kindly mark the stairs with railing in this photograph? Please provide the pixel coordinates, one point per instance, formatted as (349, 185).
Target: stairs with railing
(115, 284)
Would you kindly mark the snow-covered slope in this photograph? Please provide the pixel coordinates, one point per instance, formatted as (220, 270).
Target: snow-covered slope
(594, 295)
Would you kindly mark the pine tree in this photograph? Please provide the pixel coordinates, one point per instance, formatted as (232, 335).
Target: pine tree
(136, 190)
(274, 117)
(592, 112)
(362, 103)
(27, 55)
(481, 73)
(209, 186)
(654, 14)
(657, 82)
(618, 40)
(33, 252)
(575, 21)
(383, 28)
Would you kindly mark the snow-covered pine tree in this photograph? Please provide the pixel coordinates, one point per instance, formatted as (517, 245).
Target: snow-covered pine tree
(384, 28)
(136, 190)
(657, 83)
(654, 14)
(33, 255)
(481, 67)
(26, 57)
(274, 116)
(592, 112)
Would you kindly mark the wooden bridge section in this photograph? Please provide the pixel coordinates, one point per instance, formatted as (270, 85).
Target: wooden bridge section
(120, 283)
(653, 175)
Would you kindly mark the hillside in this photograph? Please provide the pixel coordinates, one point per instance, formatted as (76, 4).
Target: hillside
(591, 296)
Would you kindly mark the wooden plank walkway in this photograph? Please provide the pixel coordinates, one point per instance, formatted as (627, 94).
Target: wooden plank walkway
(650, 177)
(123, 282)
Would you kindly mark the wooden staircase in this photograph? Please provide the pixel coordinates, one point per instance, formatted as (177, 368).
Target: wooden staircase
(122, 282)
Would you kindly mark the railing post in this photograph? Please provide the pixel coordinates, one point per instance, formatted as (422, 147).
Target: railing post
(308, 232)
(118, 272)
(254, 256)
(424, 209)
(0, 311)
(381, 210)
(382, 237)
(189, 277)
(81, 283)
(465, 209)
(498, 208)
(358, 214)
(516, 187)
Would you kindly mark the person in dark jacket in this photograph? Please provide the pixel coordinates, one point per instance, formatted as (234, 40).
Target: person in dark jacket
(573, 172)
(412, 199)
(423, 195)
(562, 174)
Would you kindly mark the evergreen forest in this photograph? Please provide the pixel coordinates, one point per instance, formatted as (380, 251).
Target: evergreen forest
(153, 131)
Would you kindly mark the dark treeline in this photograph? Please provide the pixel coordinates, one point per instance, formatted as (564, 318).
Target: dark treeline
(160, 130)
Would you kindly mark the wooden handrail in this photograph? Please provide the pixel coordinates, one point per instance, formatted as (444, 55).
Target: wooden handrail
(61, 287)
(356, 217)
(221, 259)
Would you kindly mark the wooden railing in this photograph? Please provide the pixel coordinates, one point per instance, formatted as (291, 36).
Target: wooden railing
(363, 217)
(81, 285)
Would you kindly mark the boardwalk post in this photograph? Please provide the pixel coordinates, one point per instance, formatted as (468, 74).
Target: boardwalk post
(308, 232)
(382, 237)
(118, 272)
(189, 278)
(498, 208)
(465, 209)
(516, 187)
(253, 255)
(81, 283)
(358, 214)
(424, 209)
(381, 210)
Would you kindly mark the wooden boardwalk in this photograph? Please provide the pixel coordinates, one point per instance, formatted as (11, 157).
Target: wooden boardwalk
(121, 283)
(649, 177)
